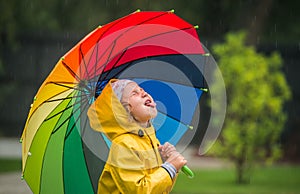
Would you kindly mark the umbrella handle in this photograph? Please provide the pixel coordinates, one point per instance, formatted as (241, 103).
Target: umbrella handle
(187, 171)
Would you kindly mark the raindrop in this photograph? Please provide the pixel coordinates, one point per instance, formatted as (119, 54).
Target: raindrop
(67, 35)
(258, 40)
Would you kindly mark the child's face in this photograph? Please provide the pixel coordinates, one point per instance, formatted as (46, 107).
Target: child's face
(141, 105)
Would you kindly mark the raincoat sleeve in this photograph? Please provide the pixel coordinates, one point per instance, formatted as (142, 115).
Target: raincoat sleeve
(130, 175)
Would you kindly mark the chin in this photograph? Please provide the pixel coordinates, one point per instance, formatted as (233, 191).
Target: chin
(153, 113)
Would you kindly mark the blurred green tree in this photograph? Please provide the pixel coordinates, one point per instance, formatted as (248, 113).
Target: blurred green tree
(256, 91)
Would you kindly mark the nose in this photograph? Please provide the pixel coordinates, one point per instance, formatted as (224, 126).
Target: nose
(143, 93)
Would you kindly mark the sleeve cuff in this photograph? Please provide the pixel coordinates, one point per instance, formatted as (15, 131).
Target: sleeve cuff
(170, 169)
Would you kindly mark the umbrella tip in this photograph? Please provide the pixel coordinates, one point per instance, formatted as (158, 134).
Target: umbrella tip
(21, 140)
(206, 54)
(172, 11)
(62, 58)
(22, 177)
(204, 89)
(99, 26)
(190, 127)
(138, 10)
(196, 26)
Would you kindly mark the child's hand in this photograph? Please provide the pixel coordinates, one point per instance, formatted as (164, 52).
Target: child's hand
(177, 160)
(166, 150)
(170, 154)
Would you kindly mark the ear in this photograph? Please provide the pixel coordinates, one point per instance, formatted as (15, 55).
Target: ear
(127, 107)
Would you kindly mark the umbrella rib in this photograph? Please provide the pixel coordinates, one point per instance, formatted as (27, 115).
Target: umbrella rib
(165, 80)
(71, 71)
(98, 58)
(103, 67)
(95, 66)
(63, 82)
(59, 84)
(111, 50)
(68, 118)
(181, 29)
(73, 126)
(60, 99)
(68, 107)
(114, 42)
(97, 47)
(109, 55)
(82, 144)
(85, 65)
(108, 72)
(84, 128)
(121, 20)
(69, 87)
(125, 49)
(174, 119)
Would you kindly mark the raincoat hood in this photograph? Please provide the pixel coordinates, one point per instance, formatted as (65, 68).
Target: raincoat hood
(107, 115)
(134, 163)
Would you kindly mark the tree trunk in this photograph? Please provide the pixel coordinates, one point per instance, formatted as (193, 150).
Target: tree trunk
(242, 176)
(242, 167)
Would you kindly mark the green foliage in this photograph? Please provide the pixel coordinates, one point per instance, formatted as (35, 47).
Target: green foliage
(10, 165)
(256, 91)
(265, 180)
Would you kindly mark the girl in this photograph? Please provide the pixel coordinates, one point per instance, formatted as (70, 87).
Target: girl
(136, 163)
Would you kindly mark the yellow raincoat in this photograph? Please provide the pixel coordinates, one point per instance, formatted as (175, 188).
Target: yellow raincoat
(134, 162)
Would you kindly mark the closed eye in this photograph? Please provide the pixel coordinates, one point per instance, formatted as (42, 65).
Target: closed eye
(137, 91)
(133, 93)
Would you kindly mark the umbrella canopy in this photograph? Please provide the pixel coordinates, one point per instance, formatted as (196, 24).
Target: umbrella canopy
(158, 50)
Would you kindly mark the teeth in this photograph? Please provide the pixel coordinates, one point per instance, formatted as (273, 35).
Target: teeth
(147, 102)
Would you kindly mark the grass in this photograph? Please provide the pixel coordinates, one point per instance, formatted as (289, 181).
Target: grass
(10, 165)
(267, 180)
(264, 180)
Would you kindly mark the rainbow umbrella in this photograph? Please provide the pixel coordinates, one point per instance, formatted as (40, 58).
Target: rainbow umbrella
(159, 50)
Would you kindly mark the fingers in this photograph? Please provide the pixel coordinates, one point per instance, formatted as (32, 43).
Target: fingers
(177, 160)
(176, 156)
(167, 147)
(170, 154)
(166, 150)
(169, 150)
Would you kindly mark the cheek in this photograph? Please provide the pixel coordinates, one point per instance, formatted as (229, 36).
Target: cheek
(138, 110)
(134, 104)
